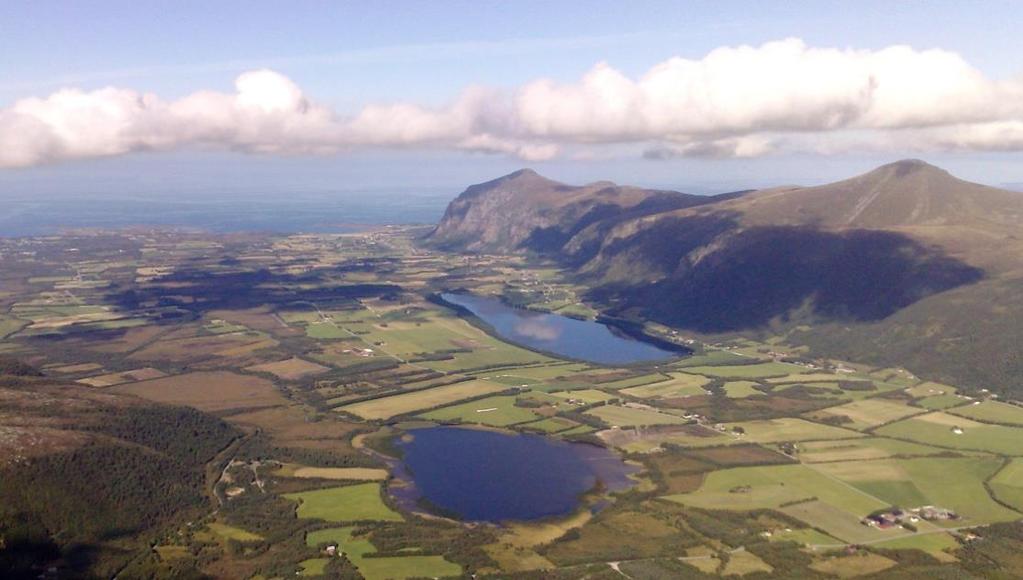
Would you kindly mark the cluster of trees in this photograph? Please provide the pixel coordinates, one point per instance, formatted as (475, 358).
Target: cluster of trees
(14, 367)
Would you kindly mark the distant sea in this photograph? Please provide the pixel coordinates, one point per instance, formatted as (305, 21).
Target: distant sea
(291, 212)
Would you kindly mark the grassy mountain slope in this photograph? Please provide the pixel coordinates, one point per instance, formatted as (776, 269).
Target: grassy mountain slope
(525, 211)
(905, 262)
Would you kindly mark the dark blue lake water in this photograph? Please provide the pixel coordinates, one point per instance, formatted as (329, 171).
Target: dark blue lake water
(489, 476)
(578, 339)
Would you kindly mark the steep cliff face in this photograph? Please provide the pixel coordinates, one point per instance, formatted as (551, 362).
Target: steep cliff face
(525, 211)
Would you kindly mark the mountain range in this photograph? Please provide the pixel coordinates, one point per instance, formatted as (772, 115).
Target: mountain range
(904, 265)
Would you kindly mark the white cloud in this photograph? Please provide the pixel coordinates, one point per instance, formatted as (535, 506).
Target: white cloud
(734, 102)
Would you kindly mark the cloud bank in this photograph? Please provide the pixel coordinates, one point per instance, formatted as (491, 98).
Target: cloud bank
(734, 102)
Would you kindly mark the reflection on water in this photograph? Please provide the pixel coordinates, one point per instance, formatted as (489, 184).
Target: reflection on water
(538, 329)
(483, 475)
(579, 339)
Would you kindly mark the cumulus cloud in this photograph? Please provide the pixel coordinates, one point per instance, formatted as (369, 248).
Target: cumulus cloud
(740, 101)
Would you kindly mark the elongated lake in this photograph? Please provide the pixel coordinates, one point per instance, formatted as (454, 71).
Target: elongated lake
(480, 475)
(577, 339)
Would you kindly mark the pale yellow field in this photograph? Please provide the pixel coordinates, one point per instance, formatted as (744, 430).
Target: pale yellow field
(400, 404)
(345, 473)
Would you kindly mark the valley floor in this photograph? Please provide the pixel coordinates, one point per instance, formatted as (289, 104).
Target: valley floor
(321, 349)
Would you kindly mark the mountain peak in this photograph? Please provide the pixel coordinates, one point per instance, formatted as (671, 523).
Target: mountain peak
(907, 167)
(524, 173)
(910, 192)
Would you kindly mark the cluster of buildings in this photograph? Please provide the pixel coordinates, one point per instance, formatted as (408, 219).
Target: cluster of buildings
(899, 517)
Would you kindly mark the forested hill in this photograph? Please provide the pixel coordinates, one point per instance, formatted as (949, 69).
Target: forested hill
(895, 266)
(82, 471)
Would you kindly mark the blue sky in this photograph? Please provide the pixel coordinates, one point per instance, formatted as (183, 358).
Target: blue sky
(347, 55)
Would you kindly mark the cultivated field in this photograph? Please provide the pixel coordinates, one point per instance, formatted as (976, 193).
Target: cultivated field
(615, 415)
(946, 430)
(208, 391)
(992, 412)
(351, 503)
(679, 385)
(496, 411)
(868, 412)
(292, 369)
(387, 407)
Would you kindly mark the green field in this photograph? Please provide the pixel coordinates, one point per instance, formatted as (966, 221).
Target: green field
(789, 429)
(930, 543)
(356, 549)
(9, 326)
(740, 389)
(753, 371)
(629, 417)
(955, 483)
(530, 375)
(1007, 485)
(930, 389)
(748, 488)
(634, 381)
(551, 425)
(711, 358)
(869, 412)
(860, 449)
(806, 536)
(326, 331)
(588, 396)
(812, 497)
(313, 566)
(496, 411)
(344, 504)
(992, 412)
(939, 402)
(679, 385)
(233, 533)
(939, 429)
(387, 407)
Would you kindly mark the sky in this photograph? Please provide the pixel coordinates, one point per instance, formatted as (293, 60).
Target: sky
(159, 98)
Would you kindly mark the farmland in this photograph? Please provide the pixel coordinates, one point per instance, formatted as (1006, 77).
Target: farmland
(319, 351)
(992, 412)
(387, 407)
(679, 385)
(954, 432)
(495, 411)
(344, 504)
(630, 416)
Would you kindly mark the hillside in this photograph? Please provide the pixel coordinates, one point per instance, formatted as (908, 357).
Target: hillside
(903, 259)
(85, 474)
(526, 211)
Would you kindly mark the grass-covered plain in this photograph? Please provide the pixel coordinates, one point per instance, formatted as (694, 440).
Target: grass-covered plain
(233, 533)
(945, 430)
(400, 404)
(357, 548)
(789, 429)
(740, 389)
(679, 385)
(350, 503)
(992, 412)
(499, 411)
(1007, 484)
(862, 449)
(615, 415)
(751, 371)
(868, 413)
(588, 396)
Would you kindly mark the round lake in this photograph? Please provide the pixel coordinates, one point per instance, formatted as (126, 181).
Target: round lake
(481, 475)
(578, 339)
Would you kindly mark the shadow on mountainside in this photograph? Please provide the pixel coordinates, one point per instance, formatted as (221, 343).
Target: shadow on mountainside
(744, 279)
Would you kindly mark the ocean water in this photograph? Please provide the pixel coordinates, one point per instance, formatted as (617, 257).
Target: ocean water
(310, 212)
